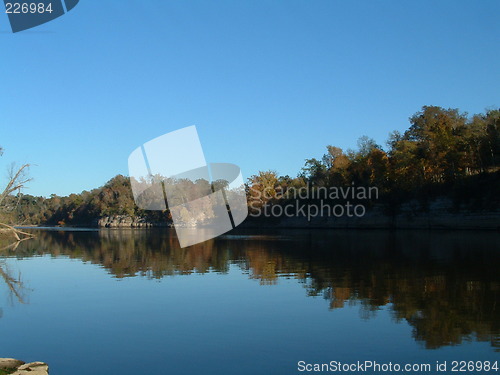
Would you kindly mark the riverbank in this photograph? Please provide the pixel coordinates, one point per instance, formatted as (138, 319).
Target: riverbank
(440, 214)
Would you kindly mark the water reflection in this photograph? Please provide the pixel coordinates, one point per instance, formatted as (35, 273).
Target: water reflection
(445, 285)
(16, 289)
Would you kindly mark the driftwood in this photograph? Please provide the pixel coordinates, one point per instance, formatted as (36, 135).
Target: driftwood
(18, 234)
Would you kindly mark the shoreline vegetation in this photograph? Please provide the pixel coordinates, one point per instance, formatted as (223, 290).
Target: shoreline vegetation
(442, 172)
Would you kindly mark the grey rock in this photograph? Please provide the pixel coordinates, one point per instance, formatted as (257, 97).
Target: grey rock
(30, 372)
(32, 366)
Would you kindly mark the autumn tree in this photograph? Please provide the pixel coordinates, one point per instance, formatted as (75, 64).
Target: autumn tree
(315, 172)
(336, 164)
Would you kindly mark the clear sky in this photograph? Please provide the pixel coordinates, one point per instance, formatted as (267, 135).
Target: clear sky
(267, 83)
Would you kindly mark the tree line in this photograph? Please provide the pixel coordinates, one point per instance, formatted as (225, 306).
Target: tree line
(444, 152)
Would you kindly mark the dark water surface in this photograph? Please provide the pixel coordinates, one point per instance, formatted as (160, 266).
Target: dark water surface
(133, 302)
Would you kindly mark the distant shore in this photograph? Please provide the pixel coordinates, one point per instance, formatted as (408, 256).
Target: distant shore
(430, 220)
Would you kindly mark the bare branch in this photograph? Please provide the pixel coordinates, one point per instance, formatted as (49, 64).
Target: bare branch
(17, 180)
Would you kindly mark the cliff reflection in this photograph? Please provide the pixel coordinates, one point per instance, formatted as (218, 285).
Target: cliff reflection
(445, 285)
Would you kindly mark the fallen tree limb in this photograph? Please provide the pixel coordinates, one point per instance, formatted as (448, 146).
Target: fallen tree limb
(16, 232)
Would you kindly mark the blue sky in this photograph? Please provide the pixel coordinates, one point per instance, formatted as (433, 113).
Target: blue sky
(267, 83)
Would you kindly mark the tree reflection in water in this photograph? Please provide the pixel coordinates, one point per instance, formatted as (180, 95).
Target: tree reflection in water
(16, 289)
(445, 285)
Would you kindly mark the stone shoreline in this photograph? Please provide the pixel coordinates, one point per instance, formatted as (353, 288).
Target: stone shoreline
(123, 221)
(16, 367)
(439, 216)
(487, 221)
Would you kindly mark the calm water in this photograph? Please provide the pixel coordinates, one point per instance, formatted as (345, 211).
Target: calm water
(132, 302)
